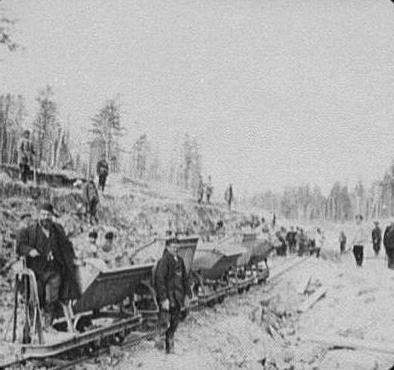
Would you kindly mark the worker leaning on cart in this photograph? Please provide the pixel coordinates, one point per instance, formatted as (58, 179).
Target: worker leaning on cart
(172, 289)
(51, 256)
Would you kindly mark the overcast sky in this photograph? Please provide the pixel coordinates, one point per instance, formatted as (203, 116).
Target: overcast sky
(277, 92)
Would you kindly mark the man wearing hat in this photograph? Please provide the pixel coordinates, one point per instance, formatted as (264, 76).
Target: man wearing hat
(172, 287)
(25, 155)
(388, 242)
(51, 256)
(376, 238)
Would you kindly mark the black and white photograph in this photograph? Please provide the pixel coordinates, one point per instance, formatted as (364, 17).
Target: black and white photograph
(203, 185)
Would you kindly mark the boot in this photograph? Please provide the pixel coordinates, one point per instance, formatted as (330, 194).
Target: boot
(170, 345)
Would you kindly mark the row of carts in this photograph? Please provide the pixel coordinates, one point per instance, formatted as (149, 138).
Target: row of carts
(117, 302)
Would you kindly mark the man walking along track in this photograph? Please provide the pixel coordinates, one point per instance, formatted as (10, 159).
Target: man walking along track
(172, 289)
(388, 242)
(376, 238)
(51, 256)
(360, 240)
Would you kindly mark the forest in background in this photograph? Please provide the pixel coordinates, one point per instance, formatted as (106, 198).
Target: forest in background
(144, 161)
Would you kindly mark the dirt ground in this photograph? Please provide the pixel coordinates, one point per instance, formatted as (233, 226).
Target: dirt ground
(235, 335)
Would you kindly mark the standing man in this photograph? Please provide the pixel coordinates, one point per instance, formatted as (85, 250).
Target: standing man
(319, 241)
(25, 155)
(208, 190)
(172, 287)
(200, 191)
(51, 256)
(228, 196)
(388, 242)
(376, 238)
(360, 239)
(91, 198)
(102, 172)
(342, 242)
(291, 239)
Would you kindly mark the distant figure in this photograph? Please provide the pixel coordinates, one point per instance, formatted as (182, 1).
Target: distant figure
(342, 242)
(102, 172)
(172, 287)
(274, 221)
(200, 191)
(228, 196)
(91, 197)
(376, 238)
(319, 241)
(360, 239)
(302, 242)
(208, 190)
(291, 239)
(25, 155)
(388, 242)
(92, 250)
(106, 252)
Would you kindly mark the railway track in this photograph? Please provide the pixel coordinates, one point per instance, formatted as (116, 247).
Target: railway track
(135, 338)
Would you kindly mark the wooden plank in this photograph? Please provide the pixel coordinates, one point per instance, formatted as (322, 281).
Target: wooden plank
(337, 342)
(308, 303)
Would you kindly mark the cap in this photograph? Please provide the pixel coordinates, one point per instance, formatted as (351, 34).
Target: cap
(47, 207)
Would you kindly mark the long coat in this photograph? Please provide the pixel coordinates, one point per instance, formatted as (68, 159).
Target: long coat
(171, 280)
(377, 235)
(62, 250)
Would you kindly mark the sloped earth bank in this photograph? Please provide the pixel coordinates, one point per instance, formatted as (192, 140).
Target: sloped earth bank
(263, 330)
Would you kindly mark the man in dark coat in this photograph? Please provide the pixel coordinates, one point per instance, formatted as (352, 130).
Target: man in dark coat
(388, 242)
(291, 239)
(172, 288)
(91, 196)
(102, 173)
(376, 238)
(51, 256)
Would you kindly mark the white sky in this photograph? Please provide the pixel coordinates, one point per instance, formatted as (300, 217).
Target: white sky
(277, 92)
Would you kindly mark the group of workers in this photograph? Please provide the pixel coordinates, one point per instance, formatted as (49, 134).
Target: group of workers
(362, 237)
(205, 190)
(49, 253)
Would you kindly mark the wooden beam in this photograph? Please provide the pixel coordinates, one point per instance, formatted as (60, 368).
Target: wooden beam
(338, 342)
(312, 299)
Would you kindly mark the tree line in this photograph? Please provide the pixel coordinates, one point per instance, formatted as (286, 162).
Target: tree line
(341, 204)
(54, 149)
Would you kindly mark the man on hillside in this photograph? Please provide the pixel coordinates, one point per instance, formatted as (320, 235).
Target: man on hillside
(388, 242)
(51, 256)
(172, 289)
(200, 191)
(102, 172)
(376, 238)
(360, 239)
(208, 190)
(91, 197)
(25, 155)
(228, 196)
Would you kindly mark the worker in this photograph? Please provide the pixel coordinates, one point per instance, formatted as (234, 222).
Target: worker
(319, 241)
(291, 239)
(172, 289)
(91, 197)
(228, 196)
(360, 239)
(108, 250)
(25, 155)
(376, 238)
(208, 190)
(342, 242)
(51, 256)
(200, 191)
(102, 172)
(388, 242)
